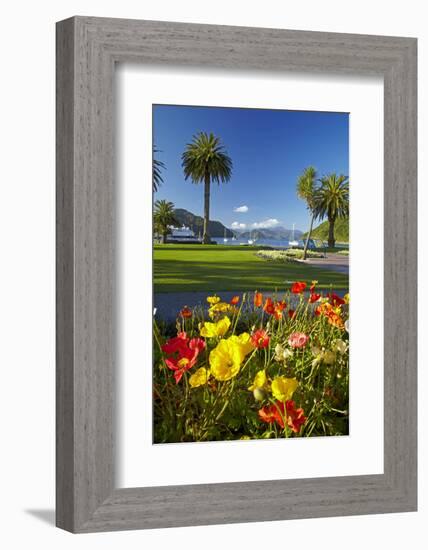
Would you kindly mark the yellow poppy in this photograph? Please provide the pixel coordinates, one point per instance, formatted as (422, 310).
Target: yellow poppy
(227, 357)
(244, 343)
(283, 388)
(199, 378)
(213, 300)
(260, 380)
(218, 308)
(211, 330)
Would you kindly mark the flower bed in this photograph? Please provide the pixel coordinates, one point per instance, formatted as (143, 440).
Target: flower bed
(253, 368)
(288, 255)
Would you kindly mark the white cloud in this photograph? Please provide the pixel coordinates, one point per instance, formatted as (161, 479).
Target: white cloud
(237, 225)
(271, 222)
(242, 209)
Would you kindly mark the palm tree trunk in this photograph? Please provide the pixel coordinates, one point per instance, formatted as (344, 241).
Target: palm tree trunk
(164, 235)
(305, 250)
(205, 237)
(331, 239)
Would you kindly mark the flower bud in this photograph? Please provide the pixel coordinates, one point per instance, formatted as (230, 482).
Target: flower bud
(259, 394)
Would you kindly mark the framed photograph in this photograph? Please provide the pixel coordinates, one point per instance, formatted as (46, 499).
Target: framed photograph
(230, 201)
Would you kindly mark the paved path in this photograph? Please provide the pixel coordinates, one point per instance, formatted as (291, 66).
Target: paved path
(334, 262)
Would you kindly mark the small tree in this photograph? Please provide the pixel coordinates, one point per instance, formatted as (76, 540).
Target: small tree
(332, 201)
(306, 188)
(164, 218)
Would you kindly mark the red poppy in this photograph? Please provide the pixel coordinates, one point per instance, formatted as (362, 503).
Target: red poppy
(234, 300)
(182, 363)
(175, 344)
(183, 353)
(336, 300)
(186, 312)
(298, 288)
(295, 417)
(314, 297)
(197, 344)
(291, 313)
(258, 299)
(260, 339)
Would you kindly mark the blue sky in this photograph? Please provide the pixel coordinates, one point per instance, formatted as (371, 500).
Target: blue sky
(269, 150)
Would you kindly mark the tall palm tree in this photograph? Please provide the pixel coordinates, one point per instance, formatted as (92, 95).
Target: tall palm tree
(205, 160)
(306, 189)
(332, 200)
(163, 218)
(157, 166)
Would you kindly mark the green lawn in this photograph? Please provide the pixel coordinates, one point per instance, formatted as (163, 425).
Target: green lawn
(212, 268)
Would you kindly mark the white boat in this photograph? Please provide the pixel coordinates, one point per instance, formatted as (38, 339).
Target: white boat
(182, 233)
(225, 238)
(293, 241)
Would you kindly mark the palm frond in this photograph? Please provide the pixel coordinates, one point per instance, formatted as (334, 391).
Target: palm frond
(157, 167)
(205, 155)
(332, 197)
(306, 186)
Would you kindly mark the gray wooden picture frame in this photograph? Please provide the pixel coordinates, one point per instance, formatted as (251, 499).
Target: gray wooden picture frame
(87, 50)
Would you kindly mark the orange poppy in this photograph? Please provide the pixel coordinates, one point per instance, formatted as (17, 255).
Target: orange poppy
(335, 320)
(271, 414)
(258, 299)
(234, 300)
(295, 417)
(269, 306)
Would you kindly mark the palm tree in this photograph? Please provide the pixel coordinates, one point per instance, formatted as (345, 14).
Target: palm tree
(332, 200)
(306, 189)
(205, 160)
(158, 166)
(163, 218)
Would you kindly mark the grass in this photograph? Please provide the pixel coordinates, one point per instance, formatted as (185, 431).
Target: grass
(208, 268)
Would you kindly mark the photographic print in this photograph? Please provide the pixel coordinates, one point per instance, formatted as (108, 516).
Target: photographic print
(251, 256)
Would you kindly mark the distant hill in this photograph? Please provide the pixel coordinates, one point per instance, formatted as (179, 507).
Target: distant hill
(277, 233)
(341, 231)
(196, 224)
